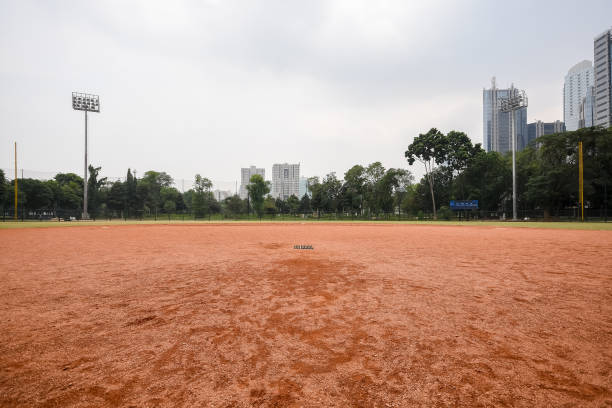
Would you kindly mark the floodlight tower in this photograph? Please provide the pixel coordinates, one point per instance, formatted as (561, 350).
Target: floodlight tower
(88, 103)
(517, 99)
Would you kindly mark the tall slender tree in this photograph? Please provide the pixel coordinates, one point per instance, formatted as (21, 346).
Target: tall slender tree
(430, 149)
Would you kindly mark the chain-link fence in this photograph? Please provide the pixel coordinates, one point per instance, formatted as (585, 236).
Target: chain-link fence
(224, 189)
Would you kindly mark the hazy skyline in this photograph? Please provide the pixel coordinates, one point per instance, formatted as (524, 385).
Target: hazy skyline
(210, 87)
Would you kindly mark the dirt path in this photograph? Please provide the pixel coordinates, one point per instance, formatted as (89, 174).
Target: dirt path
(375, 316)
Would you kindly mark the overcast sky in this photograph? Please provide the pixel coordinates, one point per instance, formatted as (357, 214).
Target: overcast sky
(211, 86)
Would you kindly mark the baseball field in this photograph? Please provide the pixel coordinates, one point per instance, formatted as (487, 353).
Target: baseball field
(374, 315)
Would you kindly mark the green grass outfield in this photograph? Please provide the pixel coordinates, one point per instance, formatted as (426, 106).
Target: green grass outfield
(594, 226)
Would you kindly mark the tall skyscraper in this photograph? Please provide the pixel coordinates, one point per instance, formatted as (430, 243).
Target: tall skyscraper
(602, 111)
(285, 180)
(577, 81)
(245, 178)
(497, 131)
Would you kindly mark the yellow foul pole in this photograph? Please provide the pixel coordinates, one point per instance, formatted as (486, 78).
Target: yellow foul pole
(15, 215)
(581, 180)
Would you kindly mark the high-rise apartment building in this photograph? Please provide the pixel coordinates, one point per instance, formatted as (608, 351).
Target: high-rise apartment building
(285, 180)
(497, 132)
(577, 81)
(245, 178)
(602, 110)
(539, 128)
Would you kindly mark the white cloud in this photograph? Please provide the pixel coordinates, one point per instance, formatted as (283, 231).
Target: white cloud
(211, 86)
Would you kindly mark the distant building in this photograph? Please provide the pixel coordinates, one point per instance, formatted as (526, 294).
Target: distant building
(285, 180)
(245, 178)
(586, 109)
(497, 133)
(539, 128)
(304, 187)
(577, 81)
(602, 111)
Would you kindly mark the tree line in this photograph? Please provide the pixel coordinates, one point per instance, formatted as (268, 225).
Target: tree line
(455, 169)
(547, 173)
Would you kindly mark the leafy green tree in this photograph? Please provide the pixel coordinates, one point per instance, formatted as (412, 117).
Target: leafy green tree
(487, 178)
(353, 189)
(403, 188)
(442, 183)
(180, 202)
(281, 206)
(386, 188)
(234, 205)
(68, 178)
(200, 202)
(117, 198)
(258, 188)
(94, 194)
(293, 204)
(317, 200)
(373, 175)
(70, 191)
(270, 205)
(305, 207)
(155, 181)
(214, 207)
(459, 153)
(36, 194)
(170, 194)
(56, 189)
(141, 202)
(132, 203)
(169, 207)
(407, 201)
(330, 193)
(3, 192)
(188, 199)
(71, 197)
(431, 150)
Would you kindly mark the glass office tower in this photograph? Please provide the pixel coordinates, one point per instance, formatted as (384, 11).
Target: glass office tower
(496, 125)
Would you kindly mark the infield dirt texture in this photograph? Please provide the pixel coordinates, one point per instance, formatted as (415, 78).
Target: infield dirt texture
(376, 315)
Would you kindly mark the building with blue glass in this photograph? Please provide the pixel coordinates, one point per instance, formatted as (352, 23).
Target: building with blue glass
(497, 132)
(539, 128)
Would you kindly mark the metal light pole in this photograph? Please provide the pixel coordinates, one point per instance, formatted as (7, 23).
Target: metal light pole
(517, 99)
(16, 188)
(581, 180)
(87, 103)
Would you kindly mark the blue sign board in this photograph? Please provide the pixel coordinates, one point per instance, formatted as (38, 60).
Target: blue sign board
(464, 204)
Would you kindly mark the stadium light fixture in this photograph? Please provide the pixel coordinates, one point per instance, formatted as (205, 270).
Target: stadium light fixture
(517, 99)
(87, 103)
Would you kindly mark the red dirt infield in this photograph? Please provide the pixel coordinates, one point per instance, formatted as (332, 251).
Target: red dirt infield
(376, 315)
